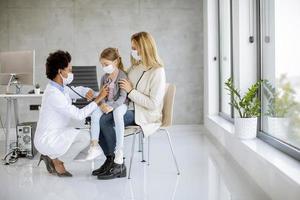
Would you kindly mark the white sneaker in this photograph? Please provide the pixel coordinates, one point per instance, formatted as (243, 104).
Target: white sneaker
(94, 152)
(119, 157)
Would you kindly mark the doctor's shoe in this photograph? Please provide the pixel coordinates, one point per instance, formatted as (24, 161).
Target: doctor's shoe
(116, 171)
(48, 163)
(60, 170)
(94, 152)
(106, 165)
(65, 174)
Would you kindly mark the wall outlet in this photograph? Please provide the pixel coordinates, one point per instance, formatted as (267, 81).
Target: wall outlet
(34, 107)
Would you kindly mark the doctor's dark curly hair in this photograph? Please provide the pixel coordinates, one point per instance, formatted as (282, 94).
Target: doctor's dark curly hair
(55, 61)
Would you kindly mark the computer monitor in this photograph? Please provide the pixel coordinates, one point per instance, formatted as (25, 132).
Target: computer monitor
(17, 68)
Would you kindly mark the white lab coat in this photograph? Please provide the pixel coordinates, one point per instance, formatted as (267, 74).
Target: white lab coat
(54, 135)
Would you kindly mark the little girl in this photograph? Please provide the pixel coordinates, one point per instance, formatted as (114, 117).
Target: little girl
(114, 102)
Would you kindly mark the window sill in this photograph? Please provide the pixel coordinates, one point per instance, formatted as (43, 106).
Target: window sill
(277, 173)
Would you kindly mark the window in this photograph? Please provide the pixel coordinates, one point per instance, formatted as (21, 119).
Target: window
(280, 67)
(225, 54)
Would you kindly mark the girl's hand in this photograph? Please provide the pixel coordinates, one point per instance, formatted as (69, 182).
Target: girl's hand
(105, 108)
(126, 85)
(108, 109)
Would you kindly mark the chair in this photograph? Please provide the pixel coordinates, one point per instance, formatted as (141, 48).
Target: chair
(167, 119)
(85, 76)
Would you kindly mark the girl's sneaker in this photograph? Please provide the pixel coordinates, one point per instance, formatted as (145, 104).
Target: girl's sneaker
(119, 156)
(94, 152)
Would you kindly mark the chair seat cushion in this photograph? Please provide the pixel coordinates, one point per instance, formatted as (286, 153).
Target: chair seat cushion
(129, 130)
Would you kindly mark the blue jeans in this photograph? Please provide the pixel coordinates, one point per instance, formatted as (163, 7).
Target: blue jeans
(107, 136)
(118, 115)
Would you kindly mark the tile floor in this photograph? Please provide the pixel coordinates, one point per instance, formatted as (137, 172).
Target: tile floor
(207, 172)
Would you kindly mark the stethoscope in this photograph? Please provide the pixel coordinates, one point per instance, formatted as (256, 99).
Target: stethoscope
(107, 83)
(77, 92)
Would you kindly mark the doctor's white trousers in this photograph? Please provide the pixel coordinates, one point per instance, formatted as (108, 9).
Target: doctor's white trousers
(82, 140)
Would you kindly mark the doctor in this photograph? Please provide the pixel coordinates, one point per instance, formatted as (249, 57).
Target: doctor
(55, 139)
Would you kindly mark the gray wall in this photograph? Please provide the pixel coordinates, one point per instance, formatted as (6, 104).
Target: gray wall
(85, 27)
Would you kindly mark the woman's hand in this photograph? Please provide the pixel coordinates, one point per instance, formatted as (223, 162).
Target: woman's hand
(89, 95)
(126, 85)
(103, 93)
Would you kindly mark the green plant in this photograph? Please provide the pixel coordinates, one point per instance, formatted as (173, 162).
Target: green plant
(247, 105)
(281, 101)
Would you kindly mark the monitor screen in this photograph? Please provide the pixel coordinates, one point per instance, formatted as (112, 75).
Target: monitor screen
(20, 63)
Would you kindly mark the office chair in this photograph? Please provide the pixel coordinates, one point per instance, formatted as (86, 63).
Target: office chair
(85, 76)
(167, 121)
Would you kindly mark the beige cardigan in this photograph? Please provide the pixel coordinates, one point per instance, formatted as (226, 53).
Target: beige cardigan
(147, 96)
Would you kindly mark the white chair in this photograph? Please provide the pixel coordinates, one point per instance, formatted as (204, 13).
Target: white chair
(167, 118)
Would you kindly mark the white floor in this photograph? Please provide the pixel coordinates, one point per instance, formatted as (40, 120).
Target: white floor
(207, 172)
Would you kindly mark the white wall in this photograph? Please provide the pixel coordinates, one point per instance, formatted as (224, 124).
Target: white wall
(85, 27)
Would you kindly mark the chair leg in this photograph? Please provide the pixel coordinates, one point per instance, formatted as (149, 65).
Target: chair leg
(143, 151)
(140, 142)
(148, 150)
(132, 154)
(172, 150)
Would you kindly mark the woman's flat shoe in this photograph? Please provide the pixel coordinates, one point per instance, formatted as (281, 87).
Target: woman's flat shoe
(48, 162)
(106, 165)
(116, 171)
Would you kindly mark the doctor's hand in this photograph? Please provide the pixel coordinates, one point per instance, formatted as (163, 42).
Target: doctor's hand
(103, 93)
(89, 95)
(126, 85)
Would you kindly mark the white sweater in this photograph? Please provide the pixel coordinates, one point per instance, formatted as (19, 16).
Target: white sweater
(147, 96)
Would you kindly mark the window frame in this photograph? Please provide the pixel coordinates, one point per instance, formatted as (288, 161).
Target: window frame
(285, 147)
(230, 117)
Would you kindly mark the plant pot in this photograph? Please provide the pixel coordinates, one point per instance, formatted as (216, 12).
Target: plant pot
(37, 90)
(278, 127)
(245, 128)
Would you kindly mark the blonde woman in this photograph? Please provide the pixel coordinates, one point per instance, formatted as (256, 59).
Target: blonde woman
(145, 88)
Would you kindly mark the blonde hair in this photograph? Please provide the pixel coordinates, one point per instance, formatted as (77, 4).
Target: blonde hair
(112, 54)
(147, 49)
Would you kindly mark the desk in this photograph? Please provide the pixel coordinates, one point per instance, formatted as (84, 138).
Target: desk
(12, 101)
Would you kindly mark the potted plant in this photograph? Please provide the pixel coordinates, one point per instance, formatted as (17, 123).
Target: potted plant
(280, 105)
(37, 89)
(248, 108)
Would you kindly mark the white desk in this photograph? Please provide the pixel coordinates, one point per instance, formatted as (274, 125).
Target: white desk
(12, 101)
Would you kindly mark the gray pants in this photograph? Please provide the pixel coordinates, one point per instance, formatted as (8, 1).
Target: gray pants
(81, 141)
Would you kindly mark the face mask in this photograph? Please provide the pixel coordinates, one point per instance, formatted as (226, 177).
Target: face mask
(68, 80)
(109, 69)
(135, 55)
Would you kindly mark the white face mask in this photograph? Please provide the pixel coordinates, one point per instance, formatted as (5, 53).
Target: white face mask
(135, 55)
(68, 80)
(109, 69)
